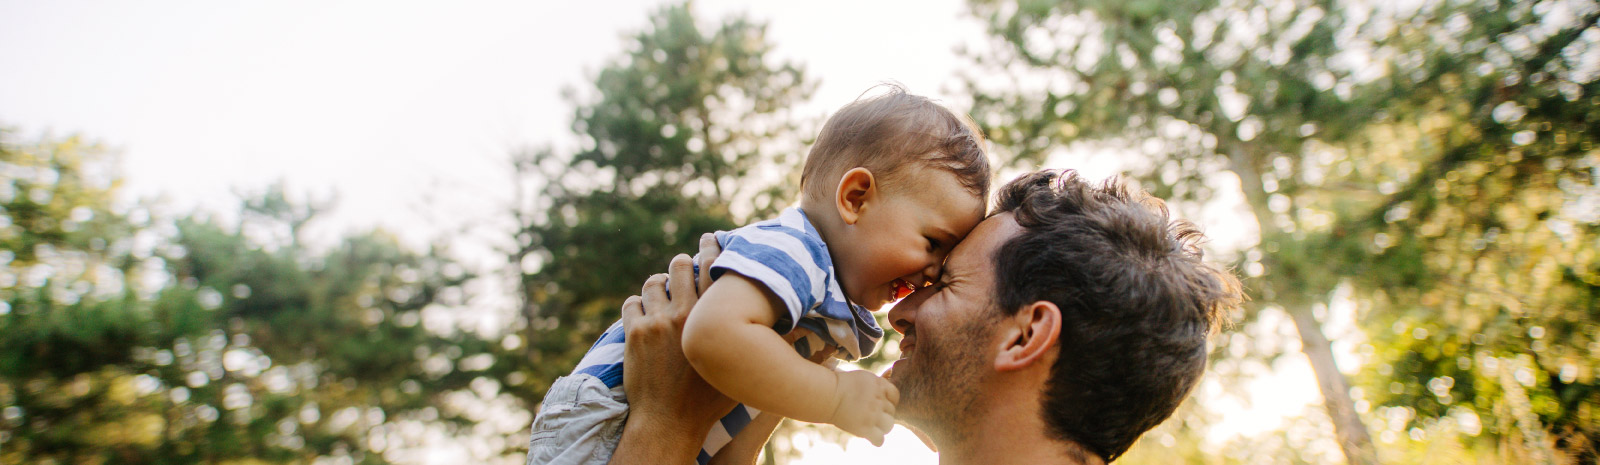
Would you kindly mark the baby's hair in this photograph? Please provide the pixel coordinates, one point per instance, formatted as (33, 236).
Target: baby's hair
(889, 132)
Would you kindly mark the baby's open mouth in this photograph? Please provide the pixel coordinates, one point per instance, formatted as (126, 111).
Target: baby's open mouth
(901, 289)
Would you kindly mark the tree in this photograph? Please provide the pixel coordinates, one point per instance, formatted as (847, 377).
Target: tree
(1331, 116)
(135, 339)
(61, 319)
(1489, 314)
(690, 131)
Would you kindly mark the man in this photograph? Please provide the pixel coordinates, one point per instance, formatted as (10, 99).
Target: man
(1067, 324)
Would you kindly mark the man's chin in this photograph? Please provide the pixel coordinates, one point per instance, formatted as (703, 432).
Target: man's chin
(907, 377)
(898, 371)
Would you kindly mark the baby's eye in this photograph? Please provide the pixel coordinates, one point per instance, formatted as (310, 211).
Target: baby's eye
(933, 244)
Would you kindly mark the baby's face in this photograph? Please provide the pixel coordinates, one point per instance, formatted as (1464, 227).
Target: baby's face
(899, 244)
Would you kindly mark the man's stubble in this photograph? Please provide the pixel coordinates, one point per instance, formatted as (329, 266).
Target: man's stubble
(940, 393)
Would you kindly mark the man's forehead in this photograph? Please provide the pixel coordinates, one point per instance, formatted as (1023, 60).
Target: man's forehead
(977, 251)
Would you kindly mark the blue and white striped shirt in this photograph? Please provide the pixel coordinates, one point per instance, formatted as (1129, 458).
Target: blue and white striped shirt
(788, 257)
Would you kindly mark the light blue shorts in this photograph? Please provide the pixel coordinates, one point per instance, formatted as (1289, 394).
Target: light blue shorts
(580, 422)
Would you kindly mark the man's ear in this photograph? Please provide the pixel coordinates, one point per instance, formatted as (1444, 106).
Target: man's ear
(1031, 334)
(856, 188)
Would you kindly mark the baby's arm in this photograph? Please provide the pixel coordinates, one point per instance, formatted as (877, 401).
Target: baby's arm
(730, 341)
(746, 446)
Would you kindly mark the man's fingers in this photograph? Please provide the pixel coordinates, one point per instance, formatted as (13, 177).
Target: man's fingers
(654, 293)
(631, 309)
(708, 253)
(657, 281)
(682, 282)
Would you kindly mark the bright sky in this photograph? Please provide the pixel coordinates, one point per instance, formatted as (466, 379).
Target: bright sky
(408, 109)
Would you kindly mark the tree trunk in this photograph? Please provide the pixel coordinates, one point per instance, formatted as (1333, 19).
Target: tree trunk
(1351, 433)
(1347, 426)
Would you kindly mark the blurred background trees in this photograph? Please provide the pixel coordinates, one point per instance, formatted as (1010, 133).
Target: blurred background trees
(134, 338)
(692, 130)
(1419, 179)
(1432, 160)
(200, 339)
(689, 132)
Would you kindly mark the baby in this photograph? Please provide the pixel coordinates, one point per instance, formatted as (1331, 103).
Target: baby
(892, 183)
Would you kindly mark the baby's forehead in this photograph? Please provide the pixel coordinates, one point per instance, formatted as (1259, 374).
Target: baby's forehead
(933, 177)
(956, 210)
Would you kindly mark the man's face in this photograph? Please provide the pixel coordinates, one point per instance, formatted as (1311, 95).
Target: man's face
(948, 347)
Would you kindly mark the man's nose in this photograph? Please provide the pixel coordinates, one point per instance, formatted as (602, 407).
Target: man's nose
(900, 325)
(903, 315)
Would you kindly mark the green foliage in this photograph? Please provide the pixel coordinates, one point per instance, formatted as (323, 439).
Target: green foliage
(1494, 234)
(1438, 158)
(689, 132)
(126, 338)
(132, 339)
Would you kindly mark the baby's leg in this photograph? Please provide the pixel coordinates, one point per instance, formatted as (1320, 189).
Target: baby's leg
(581, 418)
(580, 421)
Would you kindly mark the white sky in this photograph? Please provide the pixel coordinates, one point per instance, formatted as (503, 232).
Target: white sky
(408, 109)
(383, 104)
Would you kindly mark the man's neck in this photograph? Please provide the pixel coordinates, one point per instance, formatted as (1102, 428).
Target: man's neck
(1007, 433)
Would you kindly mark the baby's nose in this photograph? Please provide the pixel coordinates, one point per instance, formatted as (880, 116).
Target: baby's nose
(930, 274)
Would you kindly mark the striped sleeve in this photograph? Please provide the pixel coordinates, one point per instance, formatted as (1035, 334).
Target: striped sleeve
(782, 259)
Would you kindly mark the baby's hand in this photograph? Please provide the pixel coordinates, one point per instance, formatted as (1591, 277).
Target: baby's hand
(864, 405)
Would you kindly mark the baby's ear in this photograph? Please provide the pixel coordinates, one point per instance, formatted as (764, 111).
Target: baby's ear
(857, 188)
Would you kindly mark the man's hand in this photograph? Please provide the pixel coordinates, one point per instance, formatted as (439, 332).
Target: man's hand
(709, 249)
(864, 405)
(671, 406)
(658, 377)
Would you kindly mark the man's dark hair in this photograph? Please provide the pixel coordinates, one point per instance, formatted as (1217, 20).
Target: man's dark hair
(1137, 302)
(888, 132)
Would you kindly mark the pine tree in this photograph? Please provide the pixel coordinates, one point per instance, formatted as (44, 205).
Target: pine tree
(690, 131)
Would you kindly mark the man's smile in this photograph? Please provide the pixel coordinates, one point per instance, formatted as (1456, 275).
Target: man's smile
(907, 344)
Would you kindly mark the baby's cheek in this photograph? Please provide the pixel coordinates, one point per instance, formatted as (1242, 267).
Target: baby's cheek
(904, 262)
(890, 264)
